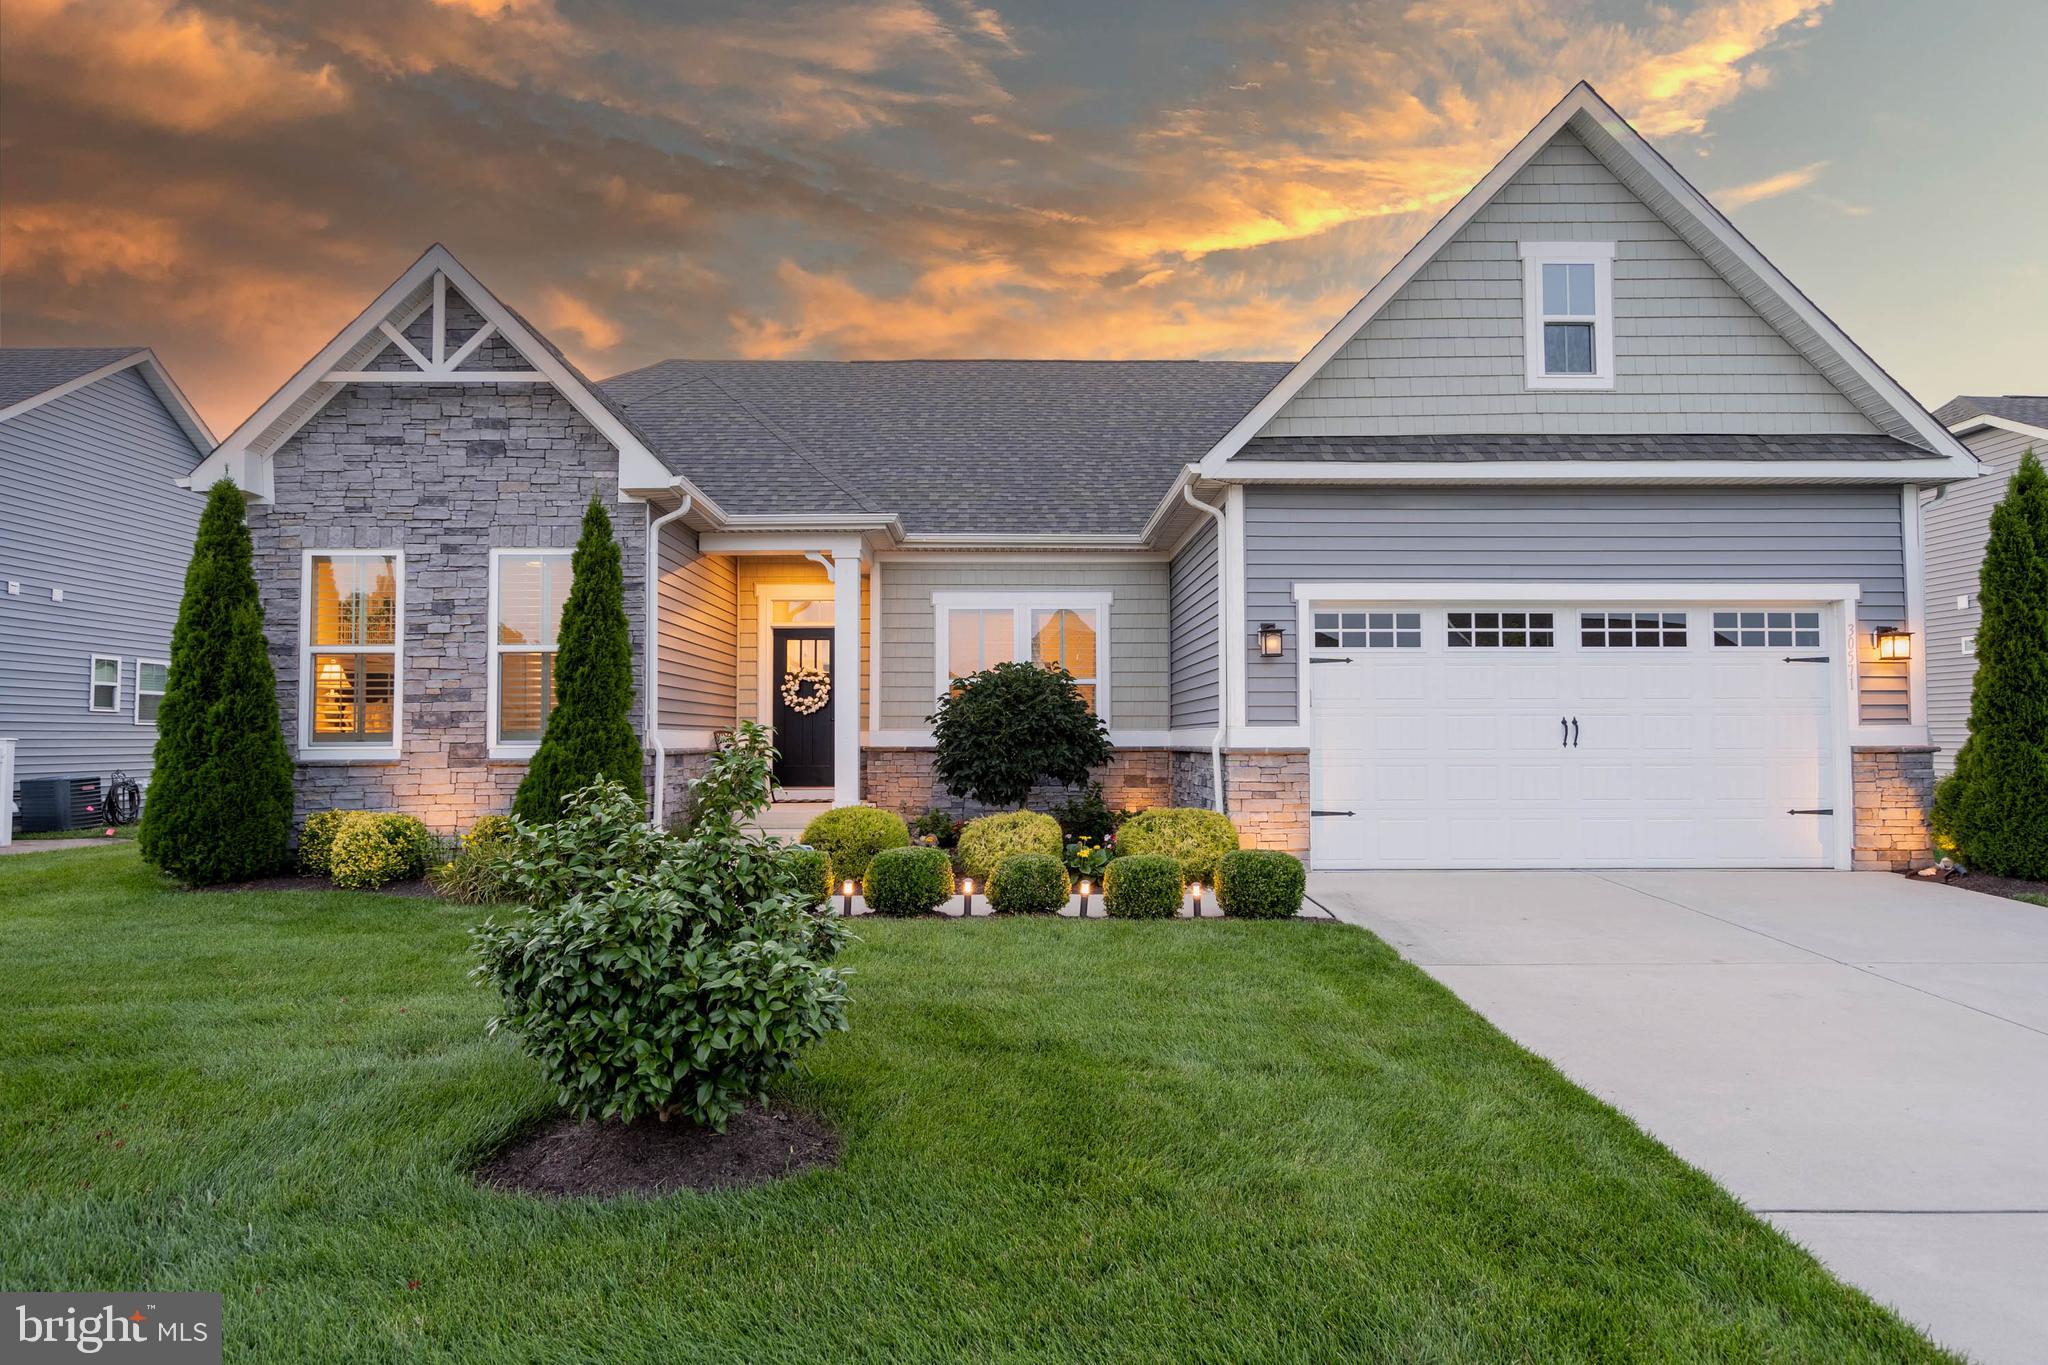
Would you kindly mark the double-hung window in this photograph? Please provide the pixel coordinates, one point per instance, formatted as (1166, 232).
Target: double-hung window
(152, 676)
(1054, 629)
(528, 589)
(354, 622)
(1568, 314)
(104, 693)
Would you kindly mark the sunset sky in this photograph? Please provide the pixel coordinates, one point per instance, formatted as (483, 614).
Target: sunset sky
(231, 180)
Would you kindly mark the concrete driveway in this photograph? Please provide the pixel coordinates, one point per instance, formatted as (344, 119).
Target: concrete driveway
(1862, 1060)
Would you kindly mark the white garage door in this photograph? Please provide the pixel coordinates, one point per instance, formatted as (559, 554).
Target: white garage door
(1570, 735)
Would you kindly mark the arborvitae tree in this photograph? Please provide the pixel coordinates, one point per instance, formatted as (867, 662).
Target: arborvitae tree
(220, 797)
(590, 735)
(1995, 807)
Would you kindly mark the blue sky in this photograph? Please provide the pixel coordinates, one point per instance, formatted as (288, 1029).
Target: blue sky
(232, 180)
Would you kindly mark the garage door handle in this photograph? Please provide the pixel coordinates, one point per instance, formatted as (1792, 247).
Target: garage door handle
(1331, 660)
(1575, 732)
(1824, 810)
(1333, 812)
(1564, 737)
(1806, 659)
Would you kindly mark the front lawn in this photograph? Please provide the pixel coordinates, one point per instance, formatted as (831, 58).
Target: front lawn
(1157, 1141)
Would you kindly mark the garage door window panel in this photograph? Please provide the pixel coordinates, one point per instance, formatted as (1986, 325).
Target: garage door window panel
(1740, 629)
(1632, 629)
(1368, 630)
(1500, 629)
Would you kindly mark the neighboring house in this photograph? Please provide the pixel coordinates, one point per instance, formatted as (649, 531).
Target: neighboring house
(95, 531)
(1999, 430)
(1568, 546)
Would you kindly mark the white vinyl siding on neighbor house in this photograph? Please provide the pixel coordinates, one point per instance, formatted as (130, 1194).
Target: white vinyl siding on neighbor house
(1448, 352)
(528, 591)
(352, 631)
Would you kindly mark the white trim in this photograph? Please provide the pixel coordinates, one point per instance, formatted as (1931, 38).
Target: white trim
(1584, 100)
(1977, 423)
(730, 542)
(520, 750)
(1020, 603)
(93, 685)
(1837, 600)
(846, 675)
(689, 741)
(765, 596)
(153, 373)
(1598, 255)
(434, 377)
(1598, 473)
(140, 664)
(1914, 536)
(307, 750)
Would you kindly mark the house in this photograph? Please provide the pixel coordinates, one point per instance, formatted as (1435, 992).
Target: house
(1958, 523)
(93, 544)
(1584, 539)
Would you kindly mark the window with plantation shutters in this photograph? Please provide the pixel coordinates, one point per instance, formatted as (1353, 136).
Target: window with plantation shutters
(352, 647)
(528, 591)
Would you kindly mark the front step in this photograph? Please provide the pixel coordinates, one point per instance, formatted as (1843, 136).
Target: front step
(786, 819)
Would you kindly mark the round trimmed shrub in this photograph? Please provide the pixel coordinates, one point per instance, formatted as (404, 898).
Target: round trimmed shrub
(316, 840)
(851, 835)
(490, 829)
(1196, 839)
(373, 848)
(908, 881)
(988, 841)
(1142, 887)
(811, 870)
(1260, 883)
(1029, 884)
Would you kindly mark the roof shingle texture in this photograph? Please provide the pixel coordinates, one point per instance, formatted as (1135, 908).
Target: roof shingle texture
(973, 447)
(26, 371)
(1508, 449)
(2030, 409)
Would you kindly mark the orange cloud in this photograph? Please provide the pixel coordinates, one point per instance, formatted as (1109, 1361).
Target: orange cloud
(1770, 187)
(561, 311)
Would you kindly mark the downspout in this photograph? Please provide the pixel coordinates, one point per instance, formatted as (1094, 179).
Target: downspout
(1187, 491)
(653, 689)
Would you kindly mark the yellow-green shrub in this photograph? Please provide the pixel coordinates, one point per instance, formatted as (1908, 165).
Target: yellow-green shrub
(373, 848)
(316, 838)
(1196, 839)
(986, 842)
(854, 834)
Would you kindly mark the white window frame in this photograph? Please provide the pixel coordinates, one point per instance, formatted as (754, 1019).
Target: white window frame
(141, 664)
(515, 750)
(1599, 255)
(1020, 605)
(310, 751)
(93, 684)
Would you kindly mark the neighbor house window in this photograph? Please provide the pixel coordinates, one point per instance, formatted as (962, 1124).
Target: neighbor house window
(352, 648)
(1055, 629)
(151, 675)
(105, 691)
(1568, 307)
(528, 589)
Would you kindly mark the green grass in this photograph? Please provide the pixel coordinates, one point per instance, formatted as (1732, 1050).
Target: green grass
(98, 832)
(1101, 1141)
(2032, 899)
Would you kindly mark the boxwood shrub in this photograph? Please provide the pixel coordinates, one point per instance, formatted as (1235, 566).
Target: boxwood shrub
(986, 842)
(811, 869)
(1029, 884)
(851, 835)
(373, 848)
(1196, 839)
(908, 881)
(1260, 883)
(316, 840)
(1142, 887)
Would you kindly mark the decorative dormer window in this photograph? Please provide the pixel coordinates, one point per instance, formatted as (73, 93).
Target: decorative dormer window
(1568, 314)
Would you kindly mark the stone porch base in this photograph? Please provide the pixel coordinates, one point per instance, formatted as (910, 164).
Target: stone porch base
(1894, 792)
(902, 780)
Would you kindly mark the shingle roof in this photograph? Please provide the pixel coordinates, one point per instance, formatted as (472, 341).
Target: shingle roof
(26, 371)
(2031, 409)
(1659, 446)
(989, 447)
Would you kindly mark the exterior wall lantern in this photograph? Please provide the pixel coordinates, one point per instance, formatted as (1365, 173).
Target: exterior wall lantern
(1892, 642)
(1272, 641)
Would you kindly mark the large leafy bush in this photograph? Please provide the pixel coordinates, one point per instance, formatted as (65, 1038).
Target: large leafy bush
(1029, 884)
(1002, 731)
(908, 881)
(589, 734)
(1992, 812)
(986, 842)
(1197, 839)
(376, 848)
(1260, 883)
(1142, 888)
(220, 800)
(854, 834)
(653, 974)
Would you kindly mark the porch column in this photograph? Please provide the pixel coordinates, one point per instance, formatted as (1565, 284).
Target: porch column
(846, 677)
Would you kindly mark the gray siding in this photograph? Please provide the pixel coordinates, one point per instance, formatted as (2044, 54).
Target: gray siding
(1445, 353)
(1694, 535)
(1137, 628)
(1191, 653)
(92, 507)
(1954, 529)
(699, 612)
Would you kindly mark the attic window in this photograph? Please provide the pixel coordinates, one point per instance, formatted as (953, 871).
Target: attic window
(1568, 311)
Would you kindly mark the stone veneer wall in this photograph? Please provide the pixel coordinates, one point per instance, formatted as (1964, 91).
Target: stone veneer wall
(1193, 778)
(444, 473)
(1894, 791)
(1267, 795)
(684, 767)
(902, 780)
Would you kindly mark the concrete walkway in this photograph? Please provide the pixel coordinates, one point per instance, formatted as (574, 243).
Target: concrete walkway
(1862, 1060)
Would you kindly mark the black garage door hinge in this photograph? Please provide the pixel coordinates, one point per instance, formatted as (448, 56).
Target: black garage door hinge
(1824, 810)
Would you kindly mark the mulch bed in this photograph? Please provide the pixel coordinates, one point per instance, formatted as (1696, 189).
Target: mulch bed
(418, 888)
(568, 1158)
(2010, 887)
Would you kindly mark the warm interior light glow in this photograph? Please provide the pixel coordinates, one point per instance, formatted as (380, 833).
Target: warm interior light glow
(1084, 890)
(846, 890)
(1893, 643)
(967, 887)
(1271, 641)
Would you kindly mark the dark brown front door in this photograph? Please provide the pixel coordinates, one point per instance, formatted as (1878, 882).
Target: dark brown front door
(803, 742)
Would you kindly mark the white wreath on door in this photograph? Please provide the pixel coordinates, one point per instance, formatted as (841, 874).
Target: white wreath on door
(800, 701)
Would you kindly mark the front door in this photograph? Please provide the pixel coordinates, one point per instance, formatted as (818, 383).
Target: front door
(801, 705)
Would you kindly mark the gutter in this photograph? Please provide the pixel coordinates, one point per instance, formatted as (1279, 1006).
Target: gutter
(653, 689)
(1187, 491)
